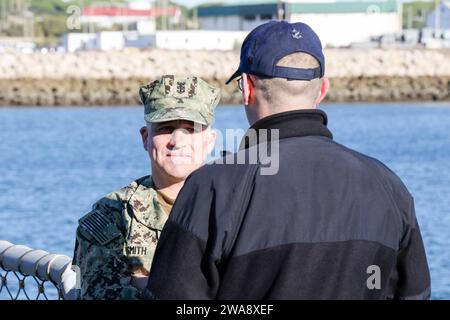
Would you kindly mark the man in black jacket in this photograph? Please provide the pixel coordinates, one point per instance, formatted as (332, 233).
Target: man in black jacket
(330, 223)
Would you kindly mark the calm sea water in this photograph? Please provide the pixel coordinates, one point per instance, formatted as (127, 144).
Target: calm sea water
(56, 162)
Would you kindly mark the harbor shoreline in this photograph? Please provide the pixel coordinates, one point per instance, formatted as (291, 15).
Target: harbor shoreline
(113, 78)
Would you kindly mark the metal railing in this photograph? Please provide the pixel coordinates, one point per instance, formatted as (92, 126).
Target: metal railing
(23, 269)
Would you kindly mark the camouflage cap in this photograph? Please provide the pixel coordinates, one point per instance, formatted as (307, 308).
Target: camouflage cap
(179, 98)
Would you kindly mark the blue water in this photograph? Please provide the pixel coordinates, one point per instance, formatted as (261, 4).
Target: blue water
(55, 162)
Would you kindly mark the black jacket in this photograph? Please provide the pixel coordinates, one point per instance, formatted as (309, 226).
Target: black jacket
(331, 224)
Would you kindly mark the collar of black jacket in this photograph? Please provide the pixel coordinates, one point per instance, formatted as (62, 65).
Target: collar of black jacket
(297, 123)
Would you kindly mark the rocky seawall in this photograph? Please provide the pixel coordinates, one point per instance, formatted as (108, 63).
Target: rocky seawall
(113, 78)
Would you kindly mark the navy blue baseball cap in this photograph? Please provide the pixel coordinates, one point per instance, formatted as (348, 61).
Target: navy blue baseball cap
(265, 45)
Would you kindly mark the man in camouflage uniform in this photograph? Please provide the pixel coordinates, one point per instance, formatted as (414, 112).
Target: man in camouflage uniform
(115, 242)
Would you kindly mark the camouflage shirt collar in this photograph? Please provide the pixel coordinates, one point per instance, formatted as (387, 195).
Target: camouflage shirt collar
(145, 205)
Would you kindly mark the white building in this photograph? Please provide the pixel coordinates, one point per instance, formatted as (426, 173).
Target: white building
(75, 41)
(443, 21)
(337, 22)
(111, 40)
(140, 4)
(173, 40)
(200, 40)
(107, 41)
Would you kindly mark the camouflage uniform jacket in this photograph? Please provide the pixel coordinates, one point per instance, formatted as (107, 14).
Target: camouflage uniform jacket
(117, 238)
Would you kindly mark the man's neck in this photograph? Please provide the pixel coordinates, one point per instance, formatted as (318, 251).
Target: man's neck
(263, 110)
(169, 188)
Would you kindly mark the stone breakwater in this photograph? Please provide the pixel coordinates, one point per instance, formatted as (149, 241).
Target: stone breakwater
(113, 78)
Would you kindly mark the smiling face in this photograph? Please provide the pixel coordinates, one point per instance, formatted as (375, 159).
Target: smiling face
(176, 148)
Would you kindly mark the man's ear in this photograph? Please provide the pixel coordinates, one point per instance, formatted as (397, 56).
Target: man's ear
(323, 90)
(212, 136)
(247, 89)
(144, 135)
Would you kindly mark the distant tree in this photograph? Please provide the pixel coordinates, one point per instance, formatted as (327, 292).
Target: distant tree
(415, 13)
